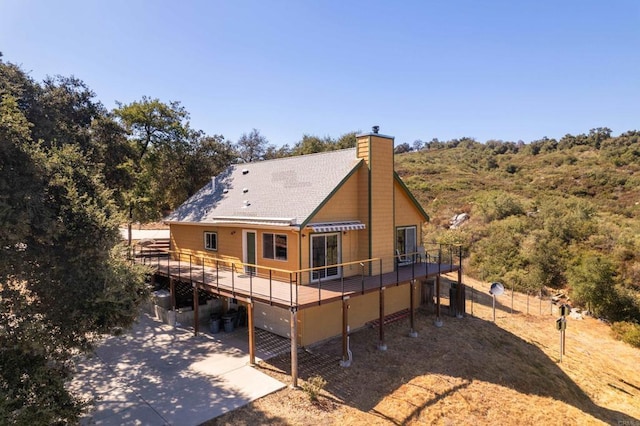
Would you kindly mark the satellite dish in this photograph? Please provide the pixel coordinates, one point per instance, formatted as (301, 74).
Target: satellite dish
(496, 289)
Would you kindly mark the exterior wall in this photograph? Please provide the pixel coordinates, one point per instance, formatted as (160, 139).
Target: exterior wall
(189, 239)
(325, 321)
(342, 205)
(406, 213)
(291, 264)
(319, 323)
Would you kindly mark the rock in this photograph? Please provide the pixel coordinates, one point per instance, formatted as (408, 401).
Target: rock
(576, 314)
(457, 220)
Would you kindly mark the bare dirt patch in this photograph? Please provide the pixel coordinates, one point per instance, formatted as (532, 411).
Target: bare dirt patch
(469, 371)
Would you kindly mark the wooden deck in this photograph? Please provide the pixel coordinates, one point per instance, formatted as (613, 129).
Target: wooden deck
(289, 294)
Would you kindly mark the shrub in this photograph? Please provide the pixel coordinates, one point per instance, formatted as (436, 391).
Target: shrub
(511, 168)
(497, 205)
(314, 386)
(628, 332)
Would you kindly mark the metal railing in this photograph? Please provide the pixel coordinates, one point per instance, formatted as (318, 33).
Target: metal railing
(229, 276)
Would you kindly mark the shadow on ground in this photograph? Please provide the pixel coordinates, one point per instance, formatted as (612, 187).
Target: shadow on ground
(464, 350)
(158, 374)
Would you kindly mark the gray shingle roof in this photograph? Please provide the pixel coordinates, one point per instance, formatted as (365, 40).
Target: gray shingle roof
(284, 191)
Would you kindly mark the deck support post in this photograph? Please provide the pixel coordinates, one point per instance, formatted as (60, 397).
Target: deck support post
(346, 352)
(412, 308)
(460, 299)
(438, 322)
(294, 347)
(196, 304)
(172, 290)
(381, 345)
(252, 334)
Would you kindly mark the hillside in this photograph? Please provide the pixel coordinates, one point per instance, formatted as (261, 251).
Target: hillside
(470, 371)
(544, 215)
(448, 181)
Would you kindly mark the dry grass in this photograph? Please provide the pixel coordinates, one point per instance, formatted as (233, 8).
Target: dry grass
(470, 371)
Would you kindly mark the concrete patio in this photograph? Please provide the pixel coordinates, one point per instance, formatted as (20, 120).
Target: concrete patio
(157, 374)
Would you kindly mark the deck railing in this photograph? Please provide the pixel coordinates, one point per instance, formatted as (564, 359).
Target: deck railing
(232, 277)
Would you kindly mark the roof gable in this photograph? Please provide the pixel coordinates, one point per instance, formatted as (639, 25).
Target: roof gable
(411, 197)
(284, 191)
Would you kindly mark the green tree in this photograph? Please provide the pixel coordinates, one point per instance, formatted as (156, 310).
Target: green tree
(545, 258)
(498, 253)
(62, 279)
(497, 205)
(569, 219)
(153, 124)
(592, 282)
(402, 148)
(252, 146)
(160, 136)
(207, 156)
(273, 152)
(348, 140)
(311, 144)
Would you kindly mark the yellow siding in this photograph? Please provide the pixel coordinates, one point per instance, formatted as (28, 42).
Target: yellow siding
(382, 222)
(406, 213)
(363, 208)
(319, 323)
(342, 205)
(325, 321)
(362, 148)
(291, 264)
(189, 240)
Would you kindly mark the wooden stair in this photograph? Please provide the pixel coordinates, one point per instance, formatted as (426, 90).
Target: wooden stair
(152, 248)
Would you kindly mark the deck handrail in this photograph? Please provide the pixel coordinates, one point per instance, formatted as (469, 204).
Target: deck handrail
(232, 265)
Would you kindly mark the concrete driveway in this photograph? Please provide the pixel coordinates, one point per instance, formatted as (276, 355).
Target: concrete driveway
(157, 374)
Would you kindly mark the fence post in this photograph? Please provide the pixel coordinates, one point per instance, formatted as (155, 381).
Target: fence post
(512, 290)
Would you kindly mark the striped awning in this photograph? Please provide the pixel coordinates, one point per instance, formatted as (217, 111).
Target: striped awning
(354, 225)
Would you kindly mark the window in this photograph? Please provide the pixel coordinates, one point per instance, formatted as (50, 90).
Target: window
(274, 246)
(406, 240)
(211, 241)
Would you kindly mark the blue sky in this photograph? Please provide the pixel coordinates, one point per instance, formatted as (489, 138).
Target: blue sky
(505, 70)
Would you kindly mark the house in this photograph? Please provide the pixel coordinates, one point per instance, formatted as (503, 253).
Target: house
(301, 240)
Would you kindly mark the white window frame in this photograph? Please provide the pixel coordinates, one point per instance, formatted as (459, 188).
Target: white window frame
(207, 240)
(275, 235)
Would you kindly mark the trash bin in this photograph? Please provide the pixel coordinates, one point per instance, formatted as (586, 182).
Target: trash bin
(214, 323)
(227, 320)
(234, 315)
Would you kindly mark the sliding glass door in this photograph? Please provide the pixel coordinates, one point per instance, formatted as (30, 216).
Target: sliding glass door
(406, 240)
(325, 251)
